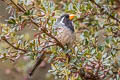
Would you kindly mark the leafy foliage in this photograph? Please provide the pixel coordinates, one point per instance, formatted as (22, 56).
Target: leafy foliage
(96, 55)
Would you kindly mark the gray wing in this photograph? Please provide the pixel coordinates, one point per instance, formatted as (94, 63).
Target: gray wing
(58, 24)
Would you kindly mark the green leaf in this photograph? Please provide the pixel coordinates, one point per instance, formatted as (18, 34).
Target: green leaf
(79, 78)
(99, 56)
(11, 21)
(20, 18)
(86, 53)
(27, 13)
(86, 33)
(107, 40)
(101, 48)
(86, 42)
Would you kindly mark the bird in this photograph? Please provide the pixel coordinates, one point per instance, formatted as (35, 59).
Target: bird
(65, 34)
(65, 29)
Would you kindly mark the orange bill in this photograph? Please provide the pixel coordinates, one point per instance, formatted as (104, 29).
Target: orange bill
(71, 16)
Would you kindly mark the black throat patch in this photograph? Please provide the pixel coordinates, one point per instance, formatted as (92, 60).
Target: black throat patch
(68, 24)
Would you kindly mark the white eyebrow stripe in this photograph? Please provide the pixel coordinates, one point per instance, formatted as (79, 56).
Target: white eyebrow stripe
(62, 20)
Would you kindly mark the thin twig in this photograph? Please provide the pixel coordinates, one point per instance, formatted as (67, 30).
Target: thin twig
(102, 9)
(17, 6)
(46, 47)
(23, 50)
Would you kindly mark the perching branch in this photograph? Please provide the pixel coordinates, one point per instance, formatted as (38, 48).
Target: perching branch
(49, 34)
(42, 29)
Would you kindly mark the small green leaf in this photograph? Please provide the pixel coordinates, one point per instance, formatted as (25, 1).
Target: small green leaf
(79, 78)
(86, 33)
(11, 21)
(101, 48)
(107, 40)
(20, 18)
(86, 42)
(27, 13)
(99, 56)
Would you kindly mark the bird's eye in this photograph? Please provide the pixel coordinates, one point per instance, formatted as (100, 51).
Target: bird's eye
(67, 16)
